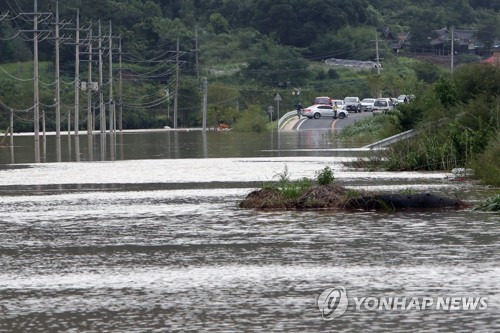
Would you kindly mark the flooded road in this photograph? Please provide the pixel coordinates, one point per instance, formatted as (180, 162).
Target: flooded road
(152, 242)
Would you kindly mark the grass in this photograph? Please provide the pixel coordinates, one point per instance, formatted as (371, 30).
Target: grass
(286, 189)
(370, 129)
(487, 165)
(24, 70)
(491, 204)
(325, 176)
(324, 193)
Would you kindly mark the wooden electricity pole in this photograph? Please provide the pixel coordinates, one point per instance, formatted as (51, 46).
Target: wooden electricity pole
(112, 112)
(102, 112)
(378, 65)
(176, 97)
(58, 79)
(205, 102)
(36, 97)
(77, 73)
(90, 84)
(120, 87)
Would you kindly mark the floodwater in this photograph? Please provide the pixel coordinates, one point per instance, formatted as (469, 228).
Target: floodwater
(142, 233)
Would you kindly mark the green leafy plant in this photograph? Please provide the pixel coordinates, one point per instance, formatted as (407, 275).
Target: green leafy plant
(252, 120)
(325, 176)
(491, 204)
(291, 189)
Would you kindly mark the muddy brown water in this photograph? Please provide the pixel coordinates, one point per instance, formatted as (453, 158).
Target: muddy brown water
(150, 238)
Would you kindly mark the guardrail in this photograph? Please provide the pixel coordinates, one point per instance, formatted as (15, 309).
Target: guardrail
(392, 139)
(286, 116)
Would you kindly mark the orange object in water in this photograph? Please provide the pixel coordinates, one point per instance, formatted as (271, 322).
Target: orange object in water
(223, 126)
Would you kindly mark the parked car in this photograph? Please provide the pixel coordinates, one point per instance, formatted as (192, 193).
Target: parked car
(352, 104)
(340, 103)
(323, 100)
(405, 98)
(382, 105)
(402, 99)
(318, 111)
(367, 104)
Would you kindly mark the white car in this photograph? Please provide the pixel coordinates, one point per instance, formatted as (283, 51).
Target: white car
(382, 105)
(340, 103)
(352, 104)
(318, 111)
(402, 99)
(367, 104)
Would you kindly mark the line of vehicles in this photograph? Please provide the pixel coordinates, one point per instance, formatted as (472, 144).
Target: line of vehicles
(325, 106)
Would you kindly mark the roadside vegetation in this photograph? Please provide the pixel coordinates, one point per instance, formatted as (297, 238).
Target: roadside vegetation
(458, 123)
(371, 129)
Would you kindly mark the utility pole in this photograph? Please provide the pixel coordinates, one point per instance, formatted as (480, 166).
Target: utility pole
(44, 138)
(69, 127)
(176, 97)
(378, 65)
(90, 125)
(120, 116)
(58, 80)
(102, 112)
(58, 84)
(167, 94)
(38, 17)
(452, 48)
(205, 102)
(77, 73)
(112, 117)
(69, 132)
(196, 50)
(36, 97)
(278, 99)
(11, 127)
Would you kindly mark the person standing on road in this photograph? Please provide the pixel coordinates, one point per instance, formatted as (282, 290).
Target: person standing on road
(334, 108)
(299, 110)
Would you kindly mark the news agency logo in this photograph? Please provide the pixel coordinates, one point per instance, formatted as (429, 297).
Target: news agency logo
(333, 303)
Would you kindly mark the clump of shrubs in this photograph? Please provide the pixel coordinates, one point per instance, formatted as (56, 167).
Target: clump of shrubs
(326, 194)
(491, 204)
(320, 193)
(325, 176)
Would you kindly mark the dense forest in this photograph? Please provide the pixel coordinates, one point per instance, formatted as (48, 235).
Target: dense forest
(313, 26)
(249, 50)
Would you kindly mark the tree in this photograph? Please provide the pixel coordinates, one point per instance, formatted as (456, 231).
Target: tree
(222, 101)
(218, 24)
(274, 64)
(426, 71)
(422, 22)
(489, 28)
(253, 119)
(347, 43)
(446, 92)
(475, 80)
